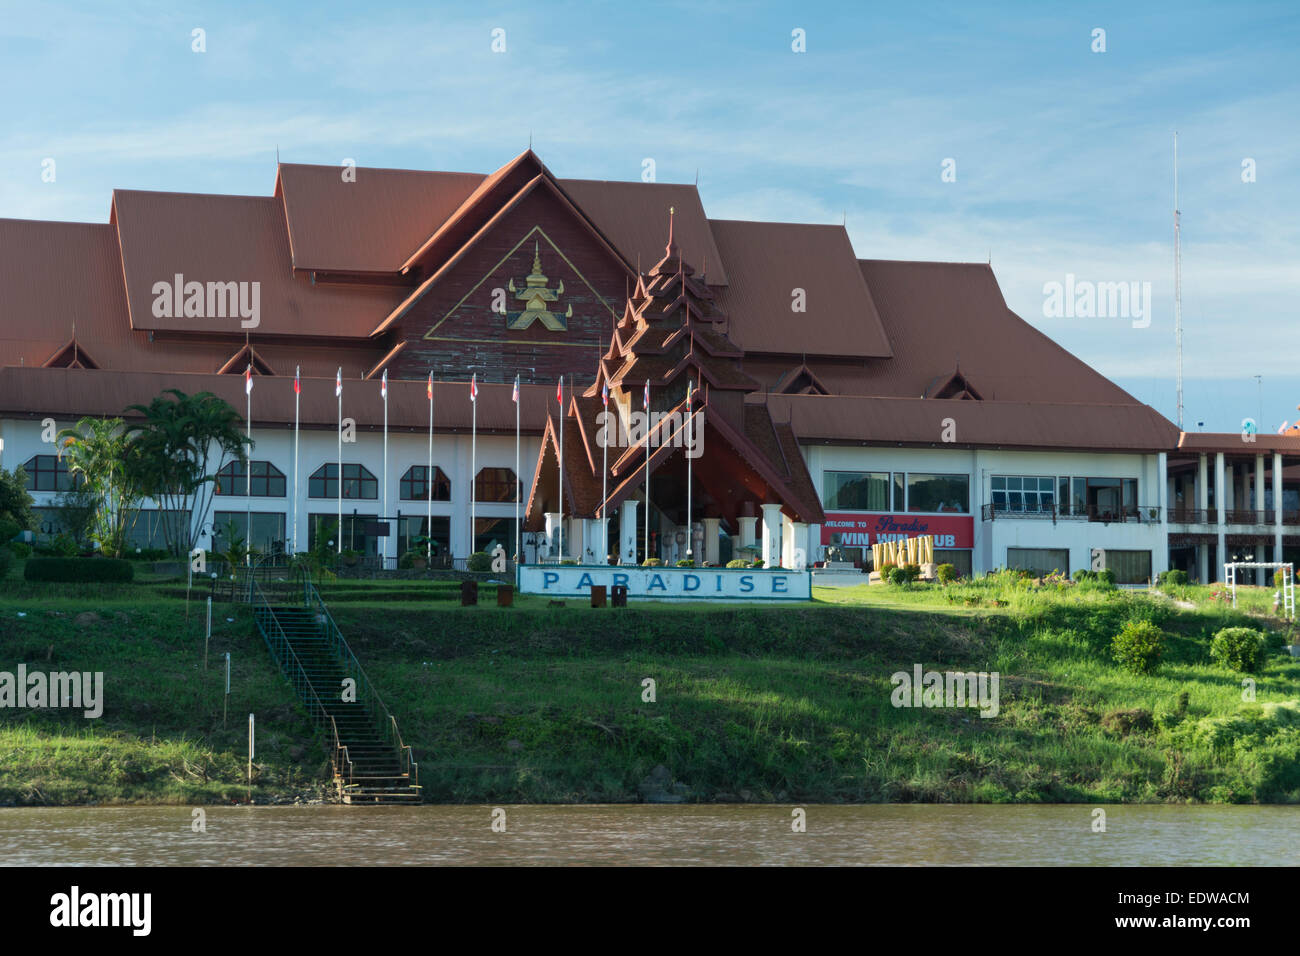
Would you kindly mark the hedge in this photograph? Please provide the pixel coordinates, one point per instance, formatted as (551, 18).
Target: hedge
(79, 570)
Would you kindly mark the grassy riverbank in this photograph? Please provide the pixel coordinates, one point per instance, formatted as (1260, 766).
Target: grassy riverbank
(544, 704)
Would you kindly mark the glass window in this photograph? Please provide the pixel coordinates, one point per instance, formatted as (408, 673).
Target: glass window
(49, 473)
(958, 558)
(1025, 494)
(856, 490)
(495, 484)
(412, 532)
(151, 526)
(489, 532)
(1039, 561)
(358, 532)
(1079, 496)
(1130, 567)
(415, 484)
(935, 493)
(267, 481)
(1063, 495)
(267, 536)
(358, 482)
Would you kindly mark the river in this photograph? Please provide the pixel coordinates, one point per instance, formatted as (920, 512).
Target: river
(745, 835)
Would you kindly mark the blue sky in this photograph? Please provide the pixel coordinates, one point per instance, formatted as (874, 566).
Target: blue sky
(1063, 155)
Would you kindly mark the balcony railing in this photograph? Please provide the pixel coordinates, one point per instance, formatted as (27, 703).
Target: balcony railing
(1130, 514)
(1237, 516)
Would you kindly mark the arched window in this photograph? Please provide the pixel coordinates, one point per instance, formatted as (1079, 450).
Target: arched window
(415, 484)
(48, 473)
(268, 481)
(495, 484)
(358, 482)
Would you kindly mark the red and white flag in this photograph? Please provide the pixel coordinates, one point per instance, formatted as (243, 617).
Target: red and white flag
(646, 393)
(559, 390)
(604, 393)
(515, 395)
(338, 384)
(429, 387)
(473, 387)
(248, 380)
(297, 383)
(383, 386)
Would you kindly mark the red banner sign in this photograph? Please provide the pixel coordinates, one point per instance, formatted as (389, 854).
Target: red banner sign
(864, 530)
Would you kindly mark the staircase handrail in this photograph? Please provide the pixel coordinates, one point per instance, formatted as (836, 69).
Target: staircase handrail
(298, 676)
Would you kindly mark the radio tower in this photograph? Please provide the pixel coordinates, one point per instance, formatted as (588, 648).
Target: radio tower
(1178, 287)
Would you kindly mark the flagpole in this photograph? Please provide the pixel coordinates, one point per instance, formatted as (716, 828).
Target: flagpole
(519, 485)
(604, 476)
(297, 401)
(248, 472)
(428, 474)
(338, 532)
(690, 426)
(560, 460)
(473, 462)
(647, 469)
(385, 495)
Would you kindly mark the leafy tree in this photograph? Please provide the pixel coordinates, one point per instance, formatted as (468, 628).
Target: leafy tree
(15, 502)
(177, 449)
(75, 514)
(98, 451)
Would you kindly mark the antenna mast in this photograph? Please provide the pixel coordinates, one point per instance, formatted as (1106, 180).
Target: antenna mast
(1178, 286)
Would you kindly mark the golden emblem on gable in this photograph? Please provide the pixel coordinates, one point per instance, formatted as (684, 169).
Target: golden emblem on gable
(541, 302)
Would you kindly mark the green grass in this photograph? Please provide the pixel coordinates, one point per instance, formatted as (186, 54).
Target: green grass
(537, 703)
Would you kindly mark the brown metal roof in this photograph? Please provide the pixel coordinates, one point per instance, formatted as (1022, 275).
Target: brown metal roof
(371, 224)
(939, 315)
(767, 261)
(68, 393)
(1232, 443)
(233, 239)
(920, 421)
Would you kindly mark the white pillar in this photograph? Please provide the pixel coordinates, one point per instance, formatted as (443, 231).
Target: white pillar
(747, 531)
(1220, 502)
(627, 532)
(552, 532)
(771, 535)
(1277, 506)
(794, 537)
(1203, 484)
(711, 527)
(1161, 557)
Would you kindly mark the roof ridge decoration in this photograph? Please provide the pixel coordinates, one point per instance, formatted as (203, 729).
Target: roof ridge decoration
(70, 355)
(247, 355)
(957, 385)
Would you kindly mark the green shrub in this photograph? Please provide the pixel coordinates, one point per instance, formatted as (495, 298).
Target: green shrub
(1174, 577)
(149, 554)
(946, 573)
(1239, 648)
(8, 530)
(1106, 577)
(480, 561)
(651, 563)
(756, 563)
(1279, 578)
(1084, 574)
(21, 549)
(77, 570)
(737, 563)
(885, 570)
(6, 559)
(686, 563)
(897, 575)
(1137, 647)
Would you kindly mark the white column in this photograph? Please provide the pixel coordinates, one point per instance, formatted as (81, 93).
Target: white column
(771, 535)
(1160, 558)
(747, 531)
(627, 532)
(1203, 484)
(711, 527)
(1277, 506)
(794, 537)
(1220, 499)
(552, 532)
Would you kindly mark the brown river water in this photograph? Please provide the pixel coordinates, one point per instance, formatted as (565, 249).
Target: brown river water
(744, 835)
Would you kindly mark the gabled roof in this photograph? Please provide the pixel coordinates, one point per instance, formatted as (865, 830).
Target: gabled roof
(240, 361)
(72, 355)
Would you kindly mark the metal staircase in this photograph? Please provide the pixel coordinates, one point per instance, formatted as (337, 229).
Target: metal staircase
(371, 763)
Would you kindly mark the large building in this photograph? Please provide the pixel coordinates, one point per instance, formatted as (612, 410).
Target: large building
(834, 402)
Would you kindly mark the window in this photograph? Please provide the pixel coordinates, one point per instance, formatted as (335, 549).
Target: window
(856, 491)
(267, 480)
(489, 532)
(151, 526)
(935, 493)
(959, 558)
(415, 484)
(358, 482)
(1039, 561)
(1017, 493)
(412, 531)
(358, 532)
(495, 484)
(48, 473)
(1130, 567)
(268, 529)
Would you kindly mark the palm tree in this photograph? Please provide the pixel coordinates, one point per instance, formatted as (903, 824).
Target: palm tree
(173, 450)
(97, 449)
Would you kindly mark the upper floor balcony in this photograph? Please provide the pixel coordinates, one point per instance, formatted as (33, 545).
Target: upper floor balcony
(1232, 516)
(1104, 514)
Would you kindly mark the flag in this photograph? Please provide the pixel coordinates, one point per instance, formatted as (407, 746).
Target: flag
(338, 384)
(297, 385)
(604, 393)
(1282, 429)
(429, 387)
(248, 380)
(514, 397)
(689, 391)
(559, 390)
(383, 386)
(647, 393)
(473, 387)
